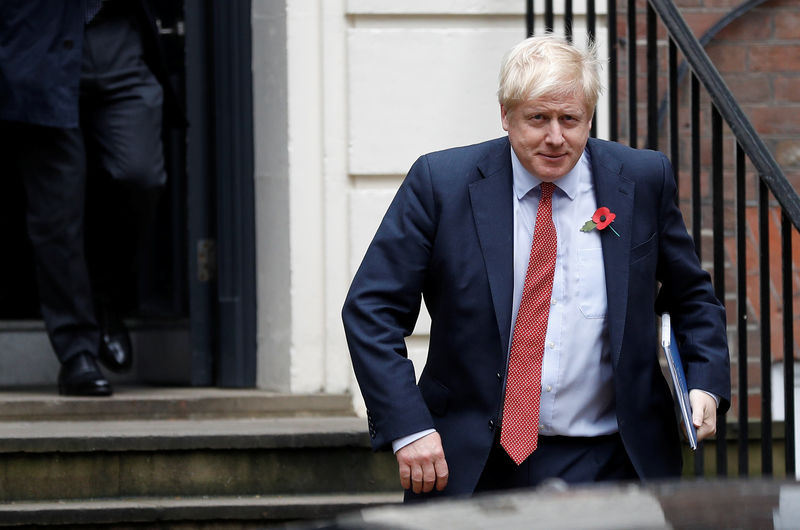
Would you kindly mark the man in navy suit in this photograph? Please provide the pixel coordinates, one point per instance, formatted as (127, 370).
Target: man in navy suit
(459, 234)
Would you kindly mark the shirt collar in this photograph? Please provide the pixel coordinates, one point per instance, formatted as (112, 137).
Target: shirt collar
(524, 181)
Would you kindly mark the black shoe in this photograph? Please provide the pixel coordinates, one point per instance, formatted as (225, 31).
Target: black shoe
(80, 376)
(116, 352)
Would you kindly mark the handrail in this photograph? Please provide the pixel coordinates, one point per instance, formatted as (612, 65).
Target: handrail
(722, 98)
(730, 17)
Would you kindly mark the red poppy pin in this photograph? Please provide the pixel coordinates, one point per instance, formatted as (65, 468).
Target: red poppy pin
(602, 218)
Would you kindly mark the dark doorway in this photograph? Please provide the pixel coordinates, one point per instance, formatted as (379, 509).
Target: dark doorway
(183, 286)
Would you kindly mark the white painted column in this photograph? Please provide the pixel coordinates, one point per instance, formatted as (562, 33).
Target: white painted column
(271, 129)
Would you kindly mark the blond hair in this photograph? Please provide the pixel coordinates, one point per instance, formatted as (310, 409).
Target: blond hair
(547, 65)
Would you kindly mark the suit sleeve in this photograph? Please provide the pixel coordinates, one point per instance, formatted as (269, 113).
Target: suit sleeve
(382, 306)
(687, 293)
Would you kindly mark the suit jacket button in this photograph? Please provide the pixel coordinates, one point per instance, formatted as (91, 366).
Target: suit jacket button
(491, 425)
(499, 375)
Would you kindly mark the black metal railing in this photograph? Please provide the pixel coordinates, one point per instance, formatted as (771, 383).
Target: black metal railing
(714, 188)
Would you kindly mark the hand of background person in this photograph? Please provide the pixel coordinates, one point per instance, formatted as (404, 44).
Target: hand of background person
(704, 414)
(422, 464)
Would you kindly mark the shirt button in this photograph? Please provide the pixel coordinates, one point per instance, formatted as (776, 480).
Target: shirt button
(551, 344)
(553, 301)
(549, 388)
(541, 426)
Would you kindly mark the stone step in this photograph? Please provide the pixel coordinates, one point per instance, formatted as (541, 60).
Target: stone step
(253, 511)
(58, 460)
(147, 403)
(185, 458)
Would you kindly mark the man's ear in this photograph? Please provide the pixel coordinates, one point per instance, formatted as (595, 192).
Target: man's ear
(504, 117)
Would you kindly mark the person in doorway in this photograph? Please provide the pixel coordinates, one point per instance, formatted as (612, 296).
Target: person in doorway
(543, 258)
(82, 88)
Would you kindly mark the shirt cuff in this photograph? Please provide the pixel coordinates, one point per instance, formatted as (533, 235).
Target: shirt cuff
(405, 440)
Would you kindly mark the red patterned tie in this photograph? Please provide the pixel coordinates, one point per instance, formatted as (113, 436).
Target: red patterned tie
(520, 429)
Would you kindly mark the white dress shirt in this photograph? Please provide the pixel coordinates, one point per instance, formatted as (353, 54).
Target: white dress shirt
(577, 387)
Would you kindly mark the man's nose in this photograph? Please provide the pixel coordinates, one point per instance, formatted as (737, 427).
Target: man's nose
(554, 133)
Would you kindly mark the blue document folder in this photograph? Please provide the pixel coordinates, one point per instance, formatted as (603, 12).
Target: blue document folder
(673, 355)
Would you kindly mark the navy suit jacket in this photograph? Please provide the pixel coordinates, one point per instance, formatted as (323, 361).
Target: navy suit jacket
(448, 238)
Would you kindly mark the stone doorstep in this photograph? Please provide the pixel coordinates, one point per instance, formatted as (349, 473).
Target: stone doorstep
(165, 435)
(147, 403)
(153, 509)
(51, 461)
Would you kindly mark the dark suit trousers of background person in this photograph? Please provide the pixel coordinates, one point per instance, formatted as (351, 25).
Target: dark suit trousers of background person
(120, 135)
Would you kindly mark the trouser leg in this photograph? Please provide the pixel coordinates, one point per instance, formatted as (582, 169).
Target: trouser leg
(121, 116)
(51, 162)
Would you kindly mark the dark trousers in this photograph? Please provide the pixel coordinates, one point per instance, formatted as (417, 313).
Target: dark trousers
(574, 460)
(119, 138)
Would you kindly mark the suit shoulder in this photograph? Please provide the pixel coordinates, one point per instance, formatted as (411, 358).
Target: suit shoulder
(468, 156)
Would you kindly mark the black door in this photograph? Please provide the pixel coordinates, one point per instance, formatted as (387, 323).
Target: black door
(195, 272)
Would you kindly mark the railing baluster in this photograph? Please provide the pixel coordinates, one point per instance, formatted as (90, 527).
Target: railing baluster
(741, 303)
(764, 325)
(674, 147)
(652, 79)
(718, 216)
(697, 211)
(548, 16)
(568, 19)
(591, 32)
(613, 92)
(529, 18)
(788, 343)
(632, 105)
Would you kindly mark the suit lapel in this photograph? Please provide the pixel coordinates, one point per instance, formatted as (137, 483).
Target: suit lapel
(616, 192)
(491, 199)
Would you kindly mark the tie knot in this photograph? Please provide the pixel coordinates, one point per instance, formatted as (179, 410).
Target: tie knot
(547, 189)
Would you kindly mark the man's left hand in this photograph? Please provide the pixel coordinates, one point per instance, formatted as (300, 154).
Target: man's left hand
(704, 414)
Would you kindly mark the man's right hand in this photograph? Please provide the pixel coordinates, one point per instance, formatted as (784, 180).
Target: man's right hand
(422, 464)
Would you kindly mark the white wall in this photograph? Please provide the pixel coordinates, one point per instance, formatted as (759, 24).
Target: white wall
(367, 86)
(778, 402)
(419, 80)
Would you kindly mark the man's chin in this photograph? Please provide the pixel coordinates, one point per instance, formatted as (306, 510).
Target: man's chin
(551, 174)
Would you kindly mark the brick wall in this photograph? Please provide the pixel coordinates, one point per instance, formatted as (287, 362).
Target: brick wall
(759, 57)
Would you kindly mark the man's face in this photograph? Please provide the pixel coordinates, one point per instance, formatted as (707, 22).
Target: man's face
(548, 134)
